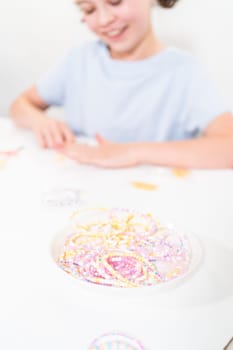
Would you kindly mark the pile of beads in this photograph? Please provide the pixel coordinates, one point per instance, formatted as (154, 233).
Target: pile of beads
(115, 341)
(123, 248)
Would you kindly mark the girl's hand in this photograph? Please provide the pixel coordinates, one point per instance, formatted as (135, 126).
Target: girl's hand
(106, 154)
(52, 133)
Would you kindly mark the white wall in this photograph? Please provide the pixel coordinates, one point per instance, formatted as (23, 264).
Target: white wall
(35, 33)
(204, 27)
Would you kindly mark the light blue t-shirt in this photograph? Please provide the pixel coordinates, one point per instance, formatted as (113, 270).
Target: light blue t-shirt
(164, 97)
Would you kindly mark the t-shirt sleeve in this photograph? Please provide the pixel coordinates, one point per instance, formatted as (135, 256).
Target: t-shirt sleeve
(205, 103)
(52, 85)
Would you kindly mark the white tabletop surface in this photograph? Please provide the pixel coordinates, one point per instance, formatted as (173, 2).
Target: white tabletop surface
(41, 307)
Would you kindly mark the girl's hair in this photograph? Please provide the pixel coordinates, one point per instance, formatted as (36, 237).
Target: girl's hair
(167, 3)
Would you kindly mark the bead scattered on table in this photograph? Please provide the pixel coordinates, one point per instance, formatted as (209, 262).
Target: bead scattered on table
(180, 172)
(5, 155)
(144, 186)
(62, 197)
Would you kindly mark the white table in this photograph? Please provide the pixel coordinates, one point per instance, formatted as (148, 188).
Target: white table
(43, 308)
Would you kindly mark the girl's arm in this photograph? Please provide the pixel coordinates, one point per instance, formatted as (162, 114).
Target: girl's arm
(213, 150)
(28, 108)
(28, 111)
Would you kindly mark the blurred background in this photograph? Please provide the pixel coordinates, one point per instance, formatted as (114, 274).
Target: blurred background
(34, 34)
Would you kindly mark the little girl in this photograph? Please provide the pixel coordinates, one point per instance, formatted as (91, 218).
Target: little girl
(144, 102)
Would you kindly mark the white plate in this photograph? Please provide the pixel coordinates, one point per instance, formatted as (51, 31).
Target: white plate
(196, 259)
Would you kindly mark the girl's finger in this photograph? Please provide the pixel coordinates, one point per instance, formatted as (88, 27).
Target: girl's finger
(56, 135)
(49, 139)
(100, 139)
(67, 134)
(41, 140)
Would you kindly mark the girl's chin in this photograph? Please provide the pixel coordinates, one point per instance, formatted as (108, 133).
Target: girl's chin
(119, 51)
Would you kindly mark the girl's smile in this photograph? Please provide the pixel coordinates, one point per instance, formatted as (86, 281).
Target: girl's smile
(123, 25)
(115, 33)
